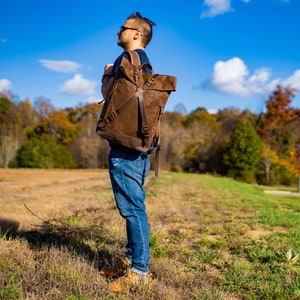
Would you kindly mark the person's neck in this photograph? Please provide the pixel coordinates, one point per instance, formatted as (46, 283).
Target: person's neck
(131, 48)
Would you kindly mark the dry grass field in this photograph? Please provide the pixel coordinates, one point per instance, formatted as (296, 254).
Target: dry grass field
(211, 238)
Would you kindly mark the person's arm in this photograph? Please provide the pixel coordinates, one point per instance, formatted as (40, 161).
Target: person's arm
(108, 77)
(107, 80)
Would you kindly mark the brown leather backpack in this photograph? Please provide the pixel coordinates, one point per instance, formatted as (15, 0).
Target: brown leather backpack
(134, 105)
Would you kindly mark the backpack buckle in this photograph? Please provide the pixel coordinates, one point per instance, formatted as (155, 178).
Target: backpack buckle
(145, 130)
(111, 116)
(148, 83)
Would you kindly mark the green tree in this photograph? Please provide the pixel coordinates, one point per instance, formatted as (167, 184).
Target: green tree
(43, 152)
(241, 152)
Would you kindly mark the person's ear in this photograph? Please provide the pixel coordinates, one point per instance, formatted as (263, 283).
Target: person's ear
(137, 35)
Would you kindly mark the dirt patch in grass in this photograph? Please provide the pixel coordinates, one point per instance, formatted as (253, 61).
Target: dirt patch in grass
(257, 233)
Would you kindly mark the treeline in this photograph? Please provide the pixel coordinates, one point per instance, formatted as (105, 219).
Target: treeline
(262, 148)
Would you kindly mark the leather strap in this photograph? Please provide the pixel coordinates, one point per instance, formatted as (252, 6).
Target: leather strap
(156, 160)
(135, 61)
(134, 57)
(115, 113)
(145, 128)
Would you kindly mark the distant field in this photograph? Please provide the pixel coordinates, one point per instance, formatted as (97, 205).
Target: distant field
(211, 238)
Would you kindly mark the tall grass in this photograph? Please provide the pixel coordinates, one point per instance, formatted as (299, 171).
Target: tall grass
(211, 238)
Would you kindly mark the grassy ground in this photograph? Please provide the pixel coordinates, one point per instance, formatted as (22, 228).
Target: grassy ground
(211, 238)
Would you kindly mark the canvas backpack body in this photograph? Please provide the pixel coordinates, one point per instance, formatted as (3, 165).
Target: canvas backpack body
(134, 105)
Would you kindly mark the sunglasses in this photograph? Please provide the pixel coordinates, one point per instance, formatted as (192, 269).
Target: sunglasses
(123, 28)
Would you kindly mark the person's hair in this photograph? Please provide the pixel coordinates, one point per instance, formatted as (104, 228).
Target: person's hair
(145, 25)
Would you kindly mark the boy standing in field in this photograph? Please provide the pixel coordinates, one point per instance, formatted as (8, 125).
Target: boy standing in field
(128, 168)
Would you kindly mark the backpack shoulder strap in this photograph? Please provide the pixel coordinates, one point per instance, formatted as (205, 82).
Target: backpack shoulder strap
(134, 57)
(135, 60)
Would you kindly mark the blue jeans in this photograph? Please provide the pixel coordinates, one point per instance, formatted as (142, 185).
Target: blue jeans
(128, 170)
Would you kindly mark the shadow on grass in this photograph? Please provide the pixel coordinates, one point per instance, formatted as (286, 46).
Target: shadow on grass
(61, 235)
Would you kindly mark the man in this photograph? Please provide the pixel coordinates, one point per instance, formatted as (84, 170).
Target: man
(128, 168)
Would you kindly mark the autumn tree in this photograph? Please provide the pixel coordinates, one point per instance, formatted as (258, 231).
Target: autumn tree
(43, 107)
(56, 125)
(273, 126)
(6, 128)
(88, 149)
(292, 162)
(15, 118)
(172, 142)
(268, 158)
(200, 132)
(279, 129)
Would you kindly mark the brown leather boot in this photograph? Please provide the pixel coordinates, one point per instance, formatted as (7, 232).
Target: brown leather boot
(123, 284)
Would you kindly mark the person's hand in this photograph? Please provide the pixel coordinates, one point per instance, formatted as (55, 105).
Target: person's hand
(107, 80)
(108, 68)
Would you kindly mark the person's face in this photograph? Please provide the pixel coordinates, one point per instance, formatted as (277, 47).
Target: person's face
(127, 34)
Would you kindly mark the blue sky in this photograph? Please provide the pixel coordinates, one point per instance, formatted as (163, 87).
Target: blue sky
(225, 53)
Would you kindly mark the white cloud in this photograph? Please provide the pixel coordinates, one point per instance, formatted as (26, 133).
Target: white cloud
(229, 76)
(63, 66)
(258, 82)
(215, 7)
(218, 7)
(233, 77)
(4, 85)
(293, 81)
(78, 86)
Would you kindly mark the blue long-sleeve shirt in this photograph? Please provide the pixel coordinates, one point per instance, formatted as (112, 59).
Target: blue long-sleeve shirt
(143, 58)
